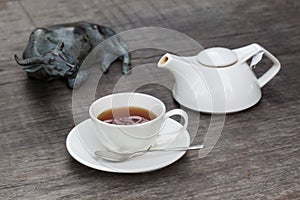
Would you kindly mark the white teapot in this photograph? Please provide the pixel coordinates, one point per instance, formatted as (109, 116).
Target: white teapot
(218, 80)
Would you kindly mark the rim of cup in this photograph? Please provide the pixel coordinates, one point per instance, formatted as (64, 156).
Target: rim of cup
(92, 114)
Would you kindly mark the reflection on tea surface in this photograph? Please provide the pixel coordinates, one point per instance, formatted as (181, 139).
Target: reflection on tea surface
(126, 116)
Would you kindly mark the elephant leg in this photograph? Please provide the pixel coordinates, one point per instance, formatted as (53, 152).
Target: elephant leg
(78, 80)
(126, 57)
(121, 48)
(126, 66)
(108, 58)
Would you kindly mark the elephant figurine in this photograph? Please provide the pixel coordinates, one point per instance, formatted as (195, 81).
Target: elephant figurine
(59, 50)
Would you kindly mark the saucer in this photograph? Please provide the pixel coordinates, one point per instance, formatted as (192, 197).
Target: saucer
(82, 142)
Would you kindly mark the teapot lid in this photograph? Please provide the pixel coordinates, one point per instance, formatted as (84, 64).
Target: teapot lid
(217, 57)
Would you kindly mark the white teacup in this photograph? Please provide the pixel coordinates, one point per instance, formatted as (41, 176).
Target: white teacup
(135, 137)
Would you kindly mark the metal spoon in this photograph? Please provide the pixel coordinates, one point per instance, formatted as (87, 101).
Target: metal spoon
(118, 157)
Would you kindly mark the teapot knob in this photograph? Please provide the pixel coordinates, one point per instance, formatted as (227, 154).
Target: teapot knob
(217, 57)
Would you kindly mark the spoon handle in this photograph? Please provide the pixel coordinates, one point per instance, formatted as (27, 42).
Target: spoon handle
(196, 147)
(118, 157)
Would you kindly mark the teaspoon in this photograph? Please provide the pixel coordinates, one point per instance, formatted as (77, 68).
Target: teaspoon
(118, 157)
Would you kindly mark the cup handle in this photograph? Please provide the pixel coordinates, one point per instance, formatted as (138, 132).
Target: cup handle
(164, 140)
(244, 53)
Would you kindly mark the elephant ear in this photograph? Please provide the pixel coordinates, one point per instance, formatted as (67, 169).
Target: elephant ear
(60, 46)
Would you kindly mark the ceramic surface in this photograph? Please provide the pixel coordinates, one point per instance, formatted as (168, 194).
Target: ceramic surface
(218, 80)
(120, 138)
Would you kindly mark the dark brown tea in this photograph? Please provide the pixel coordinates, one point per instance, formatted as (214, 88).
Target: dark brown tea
(126, 116)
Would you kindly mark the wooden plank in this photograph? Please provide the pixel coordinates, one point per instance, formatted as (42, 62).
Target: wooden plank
(256, 157)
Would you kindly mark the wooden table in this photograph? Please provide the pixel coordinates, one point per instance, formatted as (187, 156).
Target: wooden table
(256, 157)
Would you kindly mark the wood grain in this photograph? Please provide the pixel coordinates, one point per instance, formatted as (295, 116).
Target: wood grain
(256, 157)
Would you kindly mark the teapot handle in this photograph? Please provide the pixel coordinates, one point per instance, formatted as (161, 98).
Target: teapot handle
(245, 53)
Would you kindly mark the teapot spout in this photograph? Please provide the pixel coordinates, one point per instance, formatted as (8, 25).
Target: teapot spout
(173, 63)
(164, 61)
(169, 61)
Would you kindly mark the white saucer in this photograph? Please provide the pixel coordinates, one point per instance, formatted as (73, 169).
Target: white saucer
(82, 142)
